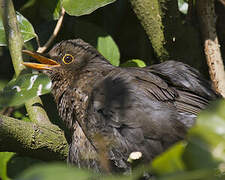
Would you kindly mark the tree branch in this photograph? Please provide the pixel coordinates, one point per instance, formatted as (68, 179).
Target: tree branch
(13, 35)
(148, 12)
(36, 112)
(170, 35)
(207, 18)
(15, 44)
(30, 139)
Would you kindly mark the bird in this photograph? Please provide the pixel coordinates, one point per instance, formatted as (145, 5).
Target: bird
(111, 112)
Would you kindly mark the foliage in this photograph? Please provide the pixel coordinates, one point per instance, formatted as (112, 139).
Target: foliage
(201, 156)
(107, 47)
(4, 158)
(25, 87)
(26, 29)
(48, 172)
(80, 7)
(183, 6)
(134, 63)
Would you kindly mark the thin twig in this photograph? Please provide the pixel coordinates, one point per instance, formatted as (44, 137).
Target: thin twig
(8, 111)
(54, 34)
(37, 40)
(222, 1)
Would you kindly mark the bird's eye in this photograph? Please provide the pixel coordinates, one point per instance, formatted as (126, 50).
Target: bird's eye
(68, 58)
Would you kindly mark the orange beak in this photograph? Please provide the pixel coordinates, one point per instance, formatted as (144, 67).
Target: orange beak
(46, 62)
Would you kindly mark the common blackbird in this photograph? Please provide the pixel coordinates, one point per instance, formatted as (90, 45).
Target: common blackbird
(114, 111)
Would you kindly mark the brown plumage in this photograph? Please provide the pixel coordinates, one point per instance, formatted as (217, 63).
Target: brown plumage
(114, 111)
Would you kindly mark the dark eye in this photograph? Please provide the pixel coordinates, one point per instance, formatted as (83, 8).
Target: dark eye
(68, 58)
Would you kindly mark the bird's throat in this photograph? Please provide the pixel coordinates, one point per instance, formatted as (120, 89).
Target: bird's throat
(72, 95)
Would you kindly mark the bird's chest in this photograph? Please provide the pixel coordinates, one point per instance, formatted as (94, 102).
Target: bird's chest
(72, 106)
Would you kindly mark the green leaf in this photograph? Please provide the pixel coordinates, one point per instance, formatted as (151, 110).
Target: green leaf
(170, 161)
(183, 6)
(18, 163)
(4, 158)
(57, 10)
(97, 37)
(23, 88)
(206, 146)
(199, 174)
(108, 48)
(26, 29)
(19, 115)
(57, 172)
(213, 119)
(81, 7)
(204, 155)
(198, 154)
(2, 83)
(134, 63)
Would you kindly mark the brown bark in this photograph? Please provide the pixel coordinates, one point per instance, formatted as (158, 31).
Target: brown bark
(222, 2)
(207, 18)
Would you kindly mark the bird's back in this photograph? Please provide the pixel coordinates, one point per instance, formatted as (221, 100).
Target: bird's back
(146, 109)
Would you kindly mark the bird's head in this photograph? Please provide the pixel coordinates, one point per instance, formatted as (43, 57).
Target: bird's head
(71, 65)
(68, 56)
